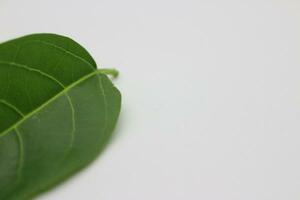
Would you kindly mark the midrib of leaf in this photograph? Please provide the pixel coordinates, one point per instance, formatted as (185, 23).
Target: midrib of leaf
(30, 69)
(54, 79)
(18, 133)
(74, 55)
(86, 62)
(63, 92)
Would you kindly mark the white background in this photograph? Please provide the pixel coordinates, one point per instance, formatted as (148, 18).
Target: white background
(211, 95)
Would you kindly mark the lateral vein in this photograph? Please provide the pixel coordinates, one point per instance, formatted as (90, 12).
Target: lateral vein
(21, 154)
(11, 106)
(66, 51)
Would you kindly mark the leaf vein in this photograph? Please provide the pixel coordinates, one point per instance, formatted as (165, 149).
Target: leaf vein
(66, 51)
(49, 101)
(53, 79)
(21, 154)
(32, 70)
(73, 122)
(11, 106)
(105, 102)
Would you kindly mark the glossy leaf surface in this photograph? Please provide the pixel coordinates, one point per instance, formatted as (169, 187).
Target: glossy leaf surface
(57, 112)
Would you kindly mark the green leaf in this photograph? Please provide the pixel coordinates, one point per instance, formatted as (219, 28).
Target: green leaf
(57, 112)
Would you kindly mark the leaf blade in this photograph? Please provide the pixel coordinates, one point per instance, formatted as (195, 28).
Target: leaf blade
(86, 126)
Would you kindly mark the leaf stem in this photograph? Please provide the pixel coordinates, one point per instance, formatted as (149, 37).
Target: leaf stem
(112, 72)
